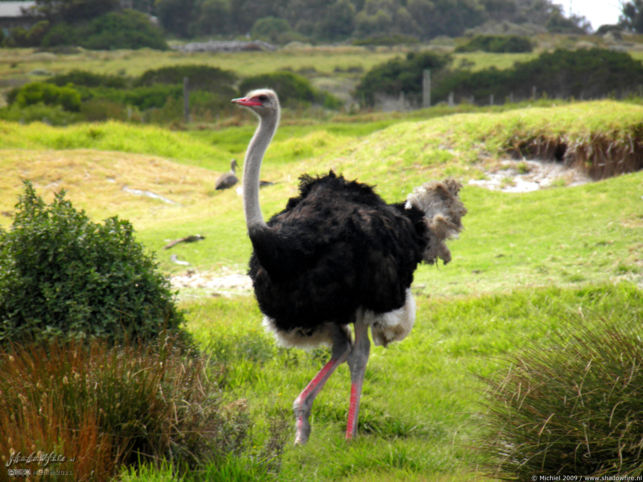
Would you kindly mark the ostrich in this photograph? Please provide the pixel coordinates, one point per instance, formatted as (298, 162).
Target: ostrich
(339, 255)
(228, 179)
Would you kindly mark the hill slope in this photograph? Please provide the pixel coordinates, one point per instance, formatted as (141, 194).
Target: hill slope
(569, 235)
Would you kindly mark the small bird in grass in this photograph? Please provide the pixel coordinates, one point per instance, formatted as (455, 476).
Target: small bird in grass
(338, 255)
(229, 179)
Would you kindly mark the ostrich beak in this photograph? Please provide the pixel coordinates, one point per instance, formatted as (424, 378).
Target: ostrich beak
(245, 101)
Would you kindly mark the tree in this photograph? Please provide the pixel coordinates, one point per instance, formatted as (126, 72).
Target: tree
(73, 11)
(128, 29)
(422, 11)
(176, 15)
(500, 10)
(632, 17)
(246, 12)
(272, 29)
(453, 17)
(558, 23)
(336, 21)
(212, 17)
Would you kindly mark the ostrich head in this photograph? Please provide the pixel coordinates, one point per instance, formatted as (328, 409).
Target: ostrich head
(263, 102)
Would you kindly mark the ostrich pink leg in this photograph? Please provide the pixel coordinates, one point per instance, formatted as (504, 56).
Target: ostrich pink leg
(304, 402)
(357, 362)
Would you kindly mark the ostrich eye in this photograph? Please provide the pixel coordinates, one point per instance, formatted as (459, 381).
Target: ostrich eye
(263, 97)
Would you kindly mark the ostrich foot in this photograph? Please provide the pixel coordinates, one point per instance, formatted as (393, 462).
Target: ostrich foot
(302, 427)
(304, 402)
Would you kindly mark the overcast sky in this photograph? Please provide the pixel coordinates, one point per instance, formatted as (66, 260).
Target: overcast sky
(598, 12)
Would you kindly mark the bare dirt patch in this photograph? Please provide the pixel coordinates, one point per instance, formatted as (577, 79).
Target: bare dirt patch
(225, 282)
(530, 175)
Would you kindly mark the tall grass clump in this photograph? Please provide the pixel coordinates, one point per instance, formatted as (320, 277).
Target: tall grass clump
(63, 275)
(574, 407)
(102, 407)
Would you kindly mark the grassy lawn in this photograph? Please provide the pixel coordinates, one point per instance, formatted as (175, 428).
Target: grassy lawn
(527, 266)
(423, 399)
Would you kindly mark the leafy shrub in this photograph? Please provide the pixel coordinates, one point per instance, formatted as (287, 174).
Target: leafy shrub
(142, 97)
(496, 43)
(384, 39)
(49, 114)
(44, 93)
(62, 34)
(63, 275)
(156, 94)
(293, 90)
(202, 77)
(575, 407)
(21, 37)
(102, 109)
(110, 406)
(584, 73)
(89, 79)
(147, 97)
(275, 30)
(127, 29)
(399, 75)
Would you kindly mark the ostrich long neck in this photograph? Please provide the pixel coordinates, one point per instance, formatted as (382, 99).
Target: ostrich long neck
(252, 167)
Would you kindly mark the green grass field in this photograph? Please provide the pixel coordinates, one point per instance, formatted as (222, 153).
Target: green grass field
(526, 266)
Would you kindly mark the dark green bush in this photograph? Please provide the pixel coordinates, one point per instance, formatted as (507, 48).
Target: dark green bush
(574, 407)
(44, 93)
(496, 43)
(89, 79)
(127, 29)
(156, 93)
(63, 275)
(94, 110)
(63, 34)
(146, 97)
(50, 114)
(275, 30)
(22, 37)
(293, 90)
(384, 39)
(584, 74)
(399, 75)
(201, 77)
(141, 97)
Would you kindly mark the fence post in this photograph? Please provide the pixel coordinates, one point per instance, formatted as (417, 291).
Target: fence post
(450, 99)
(426, 88)
(186, 99)
(490, 99)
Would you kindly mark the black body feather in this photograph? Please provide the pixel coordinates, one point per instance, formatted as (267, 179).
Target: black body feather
(336, 247)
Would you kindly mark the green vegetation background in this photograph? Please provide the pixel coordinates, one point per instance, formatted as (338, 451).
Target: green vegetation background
(526, 267)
